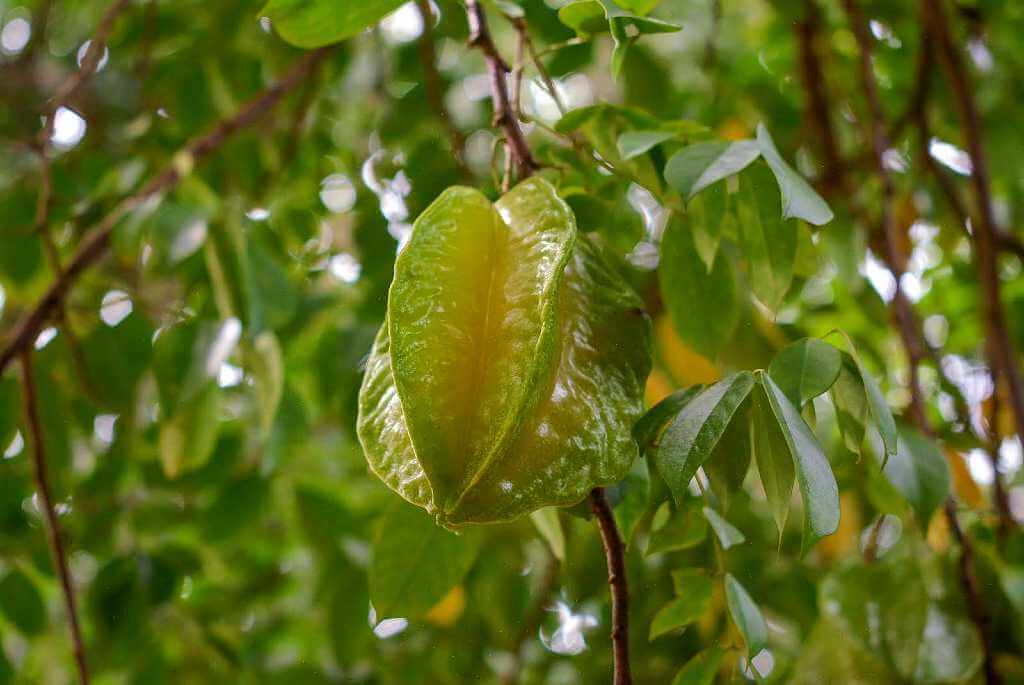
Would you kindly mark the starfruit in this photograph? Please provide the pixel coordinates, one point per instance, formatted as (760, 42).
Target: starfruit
(510, 368)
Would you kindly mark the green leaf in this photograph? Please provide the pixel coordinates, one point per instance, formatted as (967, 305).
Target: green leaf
(709, 216)
(729, 463)
(650, 426)
(21, 603)
(265, 360)
(312, 23)
(701, 669)
(818, 487)
(851, 402)
(691, 438)
(116, 358)
(805, 369)
(767, 241)
(746, 616)
(188, 435)
(703, 305)
(690, 605)
(727, 533)
(880, 412)
(686, 527)
(774, 463)
(416, 563)
(799, 200)
(588, 17)
(635, 143)
(549, 525)
(919, 472)
(695, 167)
(480, 423)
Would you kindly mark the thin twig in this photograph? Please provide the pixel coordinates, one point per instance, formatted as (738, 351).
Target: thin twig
(35, 428)
(909, 331)
(432, 80)
(480, 37)
(94, 244)
(1000, 348)
(614, 553)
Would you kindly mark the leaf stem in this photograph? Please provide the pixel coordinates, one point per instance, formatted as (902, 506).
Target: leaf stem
(614, 553)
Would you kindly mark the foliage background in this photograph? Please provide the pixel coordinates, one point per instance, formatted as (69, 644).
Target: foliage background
(218, 515)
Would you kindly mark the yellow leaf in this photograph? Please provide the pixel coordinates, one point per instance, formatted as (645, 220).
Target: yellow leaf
(963, 485)
(846, 539)
(683, 363)
(446, 612)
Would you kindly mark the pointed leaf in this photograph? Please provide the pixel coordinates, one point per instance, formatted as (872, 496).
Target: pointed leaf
(729, 463)
(767, 240)
(851, 403)
(549, 525)
(728, 534)
(813, 474)
(695, 167)
(805, 369)
(799, 200)
(688, 607)
(416, 563)
(879, 408)
(746, 616)
(703, 305)
(691, 437)
(920, 473)
(634, 143)
(774, 463)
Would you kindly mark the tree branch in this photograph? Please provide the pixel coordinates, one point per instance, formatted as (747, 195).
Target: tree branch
(910, 332)
(94, 244)
(1001, 353)
(614, 553)
(480, 37)
(60, 561)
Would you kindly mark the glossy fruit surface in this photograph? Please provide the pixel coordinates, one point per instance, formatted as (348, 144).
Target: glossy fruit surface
(512, 363)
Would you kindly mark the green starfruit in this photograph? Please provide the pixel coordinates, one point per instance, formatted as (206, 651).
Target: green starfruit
(511, 366)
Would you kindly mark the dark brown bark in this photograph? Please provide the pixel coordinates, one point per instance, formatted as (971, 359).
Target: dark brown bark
(614, 553)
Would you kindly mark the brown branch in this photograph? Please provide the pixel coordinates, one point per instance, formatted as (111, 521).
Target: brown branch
(480, 37)
(909, 330)
(614, 553)
(94, 244)
(35, 429)
(432, 80)
(819, 114)
(1000, 349)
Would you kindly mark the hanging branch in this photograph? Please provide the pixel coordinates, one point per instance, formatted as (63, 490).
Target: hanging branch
(910, 332)
(1002, 356)
(35, 429)
(614, 552)
(94, 244)
(480, 37)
